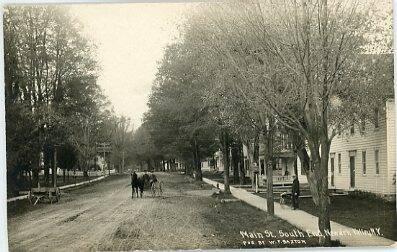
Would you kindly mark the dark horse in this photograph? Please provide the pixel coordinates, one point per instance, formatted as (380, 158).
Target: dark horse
(137, 184)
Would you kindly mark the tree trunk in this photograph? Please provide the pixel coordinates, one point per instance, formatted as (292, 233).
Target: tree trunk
(256, 150)
(197, 162)
(47, 161)
(269, 187)
(241, 167)
(188, 168)
(149, 165)
(296, 166)
(235, 162)
(250, 162)
(255, 159)
(35, 176)
(324, 200)
(35, 170)
(85, 169)
(64, 176)
(225, 159)
(269, 159)
(317, 177)
(30, 180)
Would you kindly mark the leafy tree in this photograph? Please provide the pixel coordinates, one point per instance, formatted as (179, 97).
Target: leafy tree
(143, 148)
(121, 135)
(297, 66)
(50, 81)
(177, 118)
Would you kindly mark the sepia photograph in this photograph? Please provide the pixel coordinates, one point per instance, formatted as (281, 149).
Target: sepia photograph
(184, 125)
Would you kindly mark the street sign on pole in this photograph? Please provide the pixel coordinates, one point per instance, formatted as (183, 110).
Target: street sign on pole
(104, 148)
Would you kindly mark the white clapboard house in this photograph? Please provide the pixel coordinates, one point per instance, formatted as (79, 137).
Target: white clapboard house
(364, 158)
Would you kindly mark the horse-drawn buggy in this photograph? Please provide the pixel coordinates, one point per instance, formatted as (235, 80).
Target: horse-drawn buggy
(146, 182)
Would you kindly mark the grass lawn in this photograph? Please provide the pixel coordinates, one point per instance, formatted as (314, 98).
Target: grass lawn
(354, 211)
(231, 218)
(360, 212)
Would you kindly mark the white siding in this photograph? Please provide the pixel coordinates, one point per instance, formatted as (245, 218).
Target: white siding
(391, 144)
(371, 140)
(301, 178)
(218, 159)
(205, 165)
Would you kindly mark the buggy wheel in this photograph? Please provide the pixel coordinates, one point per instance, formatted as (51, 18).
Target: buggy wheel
(161, 189)
(153, 190)
(30, 198)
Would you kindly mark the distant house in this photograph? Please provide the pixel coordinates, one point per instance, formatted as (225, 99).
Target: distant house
(218, 161)
(179, 165)
(284, 164)
(365, 158)
(283, 168)
(206, 165)
(212, 163)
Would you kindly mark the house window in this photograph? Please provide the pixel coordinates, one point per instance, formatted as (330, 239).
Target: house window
(376, 118)
(352, 129)
(377, 161)
(339, 163)
(362, 124)
(364, 162)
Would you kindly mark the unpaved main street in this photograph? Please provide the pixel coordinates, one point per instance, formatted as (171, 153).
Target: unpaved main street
(104, 217)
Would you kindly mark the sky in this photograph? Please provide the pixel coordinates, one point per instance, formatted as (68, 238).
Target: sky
(130, 40)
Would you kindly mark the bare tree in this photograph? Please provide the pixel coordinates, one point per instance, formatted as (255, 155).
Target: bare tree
(297, 62)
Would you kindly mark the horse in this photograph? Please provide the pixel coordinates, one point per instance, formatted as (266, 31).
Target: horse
(157, 188)
(137, 186)
(146, 180)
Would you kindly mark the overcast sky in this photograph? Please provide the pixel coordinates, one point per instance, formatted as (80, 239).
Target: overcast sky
(131, 39)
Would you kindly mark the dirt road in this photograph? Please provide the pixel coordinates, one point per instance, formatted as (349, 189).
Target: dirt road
(104, 217)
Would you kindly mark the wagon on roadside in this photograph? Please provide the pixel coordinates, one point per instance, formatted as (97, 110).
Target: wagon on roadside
(44, 194)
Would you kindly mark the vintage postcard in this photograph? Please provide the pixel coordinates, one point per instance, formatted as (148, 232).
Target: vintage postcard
(184, 125)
